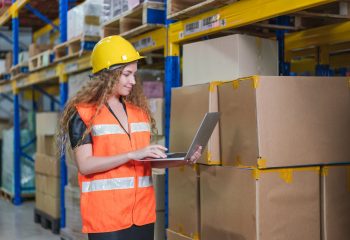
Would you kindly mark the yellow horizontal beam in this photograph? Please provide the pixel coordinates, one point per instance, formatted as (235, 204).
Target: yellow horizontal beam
(13, 9)
(77, 65)
(150, 41)
(326, 35)
(236, 15)
(45, 29)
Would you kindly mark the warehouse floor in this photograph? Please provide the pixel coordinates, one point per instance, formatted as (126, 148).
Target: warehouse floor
(17, 223)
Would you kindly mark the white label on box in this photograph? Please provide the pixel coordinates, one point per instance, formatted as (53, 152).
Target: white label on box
(144, 43)
(71, 67)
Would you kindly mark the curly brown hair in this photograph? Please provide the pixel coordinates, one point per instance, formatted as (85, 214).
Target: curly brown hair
(96, 92)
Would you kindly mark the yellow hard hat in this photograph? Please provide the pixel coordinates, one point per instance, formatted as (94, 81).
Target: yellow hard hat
(111, 51)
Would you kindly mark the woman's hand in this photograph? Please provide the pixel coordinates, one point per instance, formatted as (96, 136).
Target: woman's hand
(151, 151)
(196, 155)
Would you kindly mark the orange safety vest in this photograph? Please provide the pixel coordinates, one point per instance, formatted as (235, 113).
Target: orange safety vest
(123, 196)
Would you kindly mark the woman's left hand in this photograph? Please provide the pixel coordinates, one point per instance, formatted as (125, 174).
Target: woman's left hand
(196, 155)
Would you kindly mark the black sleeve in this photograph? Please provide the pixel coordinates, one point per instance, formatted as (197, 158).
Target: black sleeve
(76, 130)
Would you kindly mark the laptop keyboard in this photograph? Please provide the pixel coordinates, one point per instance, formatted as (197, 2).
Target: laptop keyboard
(176, 155)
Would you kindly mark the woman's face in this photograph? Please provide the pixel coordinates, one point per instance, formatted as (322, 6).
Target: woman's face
(127, 80)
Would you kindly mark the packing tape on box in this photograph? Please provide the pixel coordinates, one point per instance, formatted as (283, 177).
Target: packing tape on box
(262, 163)
(210, 160)
(235, 84)
(286, 174)
(213, 85)
(324, 171)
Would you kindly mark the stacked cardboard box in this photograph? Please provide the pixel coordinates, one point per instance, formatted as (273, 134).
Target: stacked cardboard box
(229, 58)
(47, 165)
(84, 19)
(118, 7)
(72, 200)
(275, 134)
(158, 178)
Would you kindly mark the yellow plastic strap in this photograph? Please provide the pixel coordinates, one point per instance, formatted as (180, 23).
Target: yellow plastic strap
(196, 236)
(286, 175)
(324, 171)
(213, 85)
(256, 174)
(255, 81)
(235, 84)
(262, 163)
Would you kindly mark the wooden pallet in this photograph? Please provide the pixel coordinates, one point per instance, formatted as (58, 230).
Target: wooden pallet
(9, 196)
(40, 60)
(75, 47)
(68, 234)
(47, 221)
(181, 9)
(145, 17)
(19, 70)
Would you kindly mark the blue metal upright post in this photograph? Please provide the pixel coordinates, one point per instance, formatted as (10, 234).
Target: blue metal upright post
(284, 67)
(172, 79)
(63, 100)
(16, 115)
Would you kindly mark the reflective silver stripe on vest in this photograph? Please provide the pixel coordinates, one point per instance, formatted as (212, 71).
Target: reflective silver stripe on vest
(145, 182)
(108, 184)
(140, 127)
(105, 129)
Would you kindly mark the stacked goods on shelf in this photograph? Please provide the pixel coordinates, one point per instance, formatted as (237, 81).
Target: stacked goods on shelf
(2, 66)
(158, 179)
(131, 18)
(152, 85)
(229, 58)
(76, 81)
(335, 190)
(47, 170)
(7, 164)
(118, 7)
(72, 200)
(84, 19)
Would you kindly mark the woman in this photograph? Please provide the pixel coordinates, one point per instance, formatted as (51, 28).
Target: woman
(108, 122)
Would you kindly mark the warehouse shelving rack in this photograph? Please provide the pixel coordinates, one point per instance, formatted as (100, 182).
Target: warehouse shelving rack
(170, 38)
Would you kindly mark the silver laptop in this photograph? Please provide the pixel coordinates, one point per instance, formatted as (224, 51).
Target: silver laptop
(200, 139)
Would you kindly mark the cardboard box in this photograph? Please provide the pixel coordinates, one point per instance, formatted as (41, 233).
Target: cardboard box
(46, 145)
(259, 204)
(156, 106)
(228, 58)
(285, 121)
(336, 202)
(171, 235)
(159, 226)
(159, 187)
(47, 204)
(184, 200)
(46, 123)
(48, 184)
(186, 117)
(35, 49)
(47, 165)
